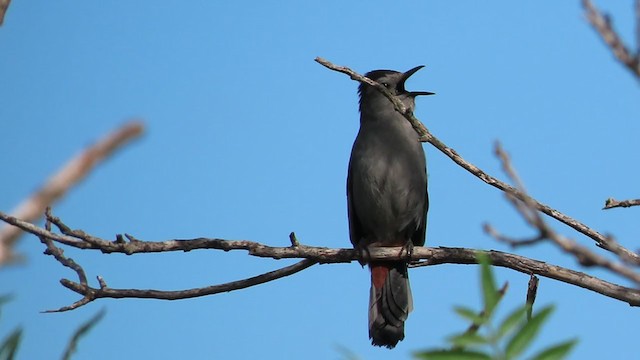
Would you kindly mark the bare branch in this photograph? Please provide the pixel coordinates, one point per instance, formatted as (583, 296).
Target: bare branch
(584, 256)
(58, 254)
(613, 203)
(75, 170)
(426, 135)
(602, 24)
(514, 243)
(4, 5)
(89, 293)
(530, 266)
(311, 254)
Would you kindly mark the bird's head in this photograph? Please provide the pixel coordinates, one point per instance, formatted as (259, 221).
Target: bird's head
(394, 82)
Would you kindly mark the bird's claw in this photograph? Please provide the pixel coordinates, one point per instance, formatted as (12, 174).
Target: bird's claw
(407, 249)
(364, 255)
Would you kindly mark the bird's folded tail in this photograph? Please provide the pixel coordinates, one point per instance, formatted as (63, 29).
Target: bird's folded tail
(390, 302)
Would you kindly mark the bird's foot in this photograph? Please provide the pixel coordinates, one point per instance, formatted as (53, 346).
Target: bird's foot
(407, 250)
(364, 255)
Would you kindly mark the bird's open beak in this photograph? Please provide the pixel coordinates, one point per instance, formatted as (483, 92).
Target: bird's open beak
(407, 75)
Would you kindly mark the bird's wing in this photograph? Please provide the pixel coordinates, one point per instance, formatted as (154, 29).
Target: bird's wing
(355, 229)
(419, 236)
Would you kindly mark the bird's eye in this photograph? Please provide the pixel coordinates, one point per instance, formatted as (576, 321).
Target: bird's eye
(385, 85)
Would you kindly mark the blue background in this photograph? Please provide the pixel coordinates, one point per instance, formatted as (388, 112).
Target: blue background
(248, 138)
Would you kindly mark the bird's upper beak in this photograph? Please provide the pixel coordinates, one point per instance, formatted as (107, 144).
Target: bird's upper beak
(408, 74)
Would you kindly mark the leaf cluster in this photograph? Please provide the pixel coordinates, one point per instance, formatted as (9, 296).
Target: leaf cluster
(9, 345)
(488, 338)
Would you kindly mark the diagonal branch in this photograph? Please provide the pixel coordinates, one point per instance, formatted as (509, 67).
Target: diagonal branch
(418, 126)
(602, 24)
(57, 185)
(584, 256)
(601, 240)
(4, 5)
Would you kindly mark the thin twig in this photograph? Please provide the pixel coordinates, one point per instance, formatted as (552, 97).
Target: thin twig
(514, 243)
(584, 256)
(105, 292)
(613, 203)
(602, 25)
(398, 105)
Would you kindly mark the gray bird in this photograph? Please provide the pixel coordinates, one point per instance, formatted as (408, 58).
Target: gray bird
(387, 199)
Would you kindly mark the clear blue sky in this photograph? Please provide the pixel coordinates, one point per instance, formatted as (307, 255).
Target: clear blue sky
(249, 138)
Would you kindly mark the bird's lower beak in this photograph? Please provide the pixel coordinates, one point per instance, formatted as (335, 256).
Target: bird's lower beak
(416, 93)
(407, 74)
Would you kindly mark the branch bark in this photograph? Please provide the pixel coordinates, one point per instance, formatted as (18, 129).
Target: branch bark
(310, 255)
(613, 203)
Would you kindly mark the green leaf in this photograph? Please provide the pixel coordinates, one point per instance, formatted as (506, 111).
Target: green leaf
(9, 346)
(467, 339)
(5, 299)
(527, 333)
(470, 315)
(346, 353)
(515, 318)
(452, 355)
(80, 332)
(556, 352)
(489, 288)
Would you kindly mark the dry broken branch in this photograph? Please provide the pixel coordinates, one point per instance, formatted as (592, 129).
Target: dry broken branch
(58, 184)
(602, 24)
(613, 203)
(4, 5)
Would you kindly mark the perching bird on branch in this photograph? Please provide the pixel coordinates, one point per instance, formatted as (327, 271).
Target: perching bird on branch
(387, 199)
